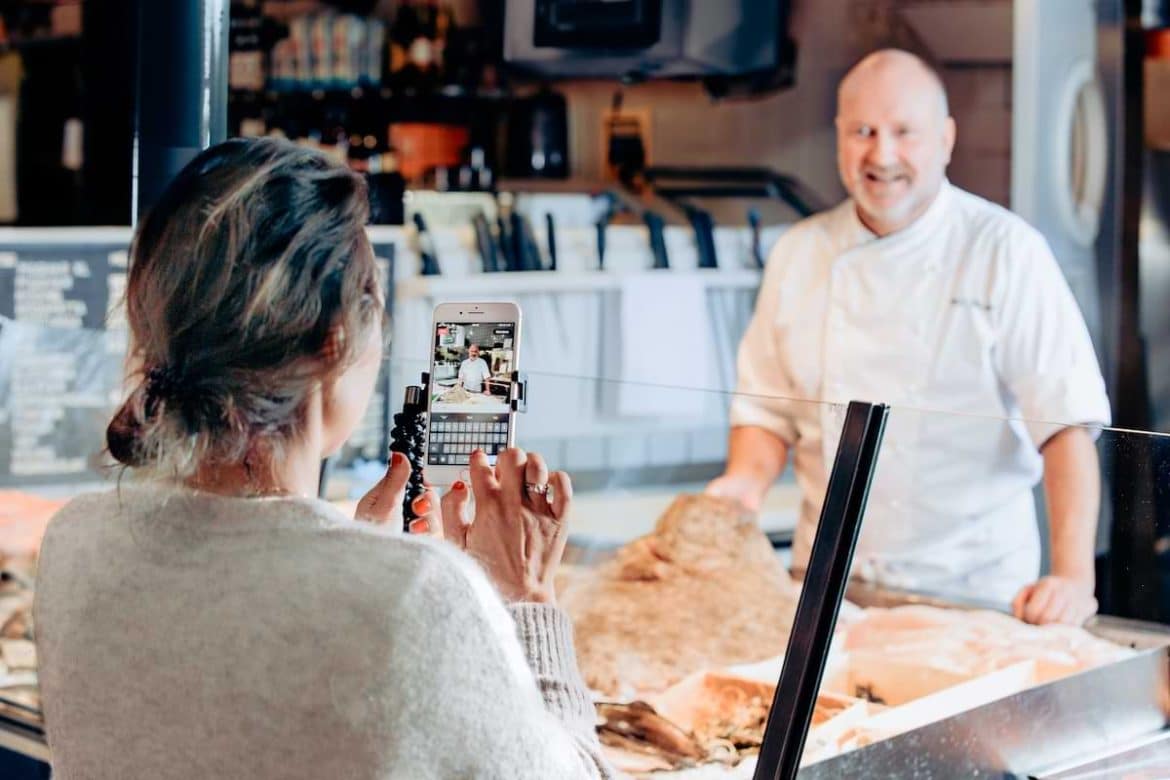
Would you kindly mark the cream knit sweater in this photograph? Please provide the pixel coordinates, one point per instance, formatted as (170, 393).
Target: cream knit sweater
(187, 635)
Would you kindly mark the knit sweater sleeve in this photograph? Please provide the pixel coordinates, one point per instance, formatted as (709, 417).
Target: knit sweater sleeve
(509, 692)
(546, 635)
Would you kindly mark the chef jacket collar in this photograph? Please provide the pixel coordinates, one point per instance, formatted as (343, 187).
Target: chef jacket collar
(920, 230)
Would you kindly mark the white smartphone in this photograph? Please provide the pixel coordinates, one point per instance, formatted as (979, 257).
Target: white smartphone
(475, 350)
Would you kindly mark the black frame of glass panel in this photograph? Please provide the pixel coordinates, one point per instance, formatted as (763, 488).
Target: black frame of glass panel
(824, 587)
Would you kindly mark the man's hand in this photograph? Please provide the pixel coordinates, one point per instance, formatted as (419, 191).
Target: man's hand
(1055, 600)
(746, 490)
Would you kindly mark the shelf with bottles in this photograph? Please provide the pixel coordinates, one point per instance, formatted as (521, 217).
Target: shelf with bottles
(325, 54)
(31, 25)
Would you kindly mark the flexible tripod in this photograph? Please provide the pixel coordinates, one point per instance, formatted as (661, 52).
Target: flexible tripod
(409, 434)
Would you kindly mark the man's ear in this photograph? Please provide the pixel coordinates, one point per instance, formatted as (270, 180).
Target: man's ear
(950, 131)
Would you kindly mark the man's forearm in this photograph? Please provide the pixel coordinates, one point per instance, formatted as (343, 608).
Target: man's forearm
(756, 453)
(1072, 486)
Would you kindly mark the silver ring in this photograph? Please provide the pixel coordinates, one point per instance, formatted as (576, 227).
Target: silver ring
(532, 487)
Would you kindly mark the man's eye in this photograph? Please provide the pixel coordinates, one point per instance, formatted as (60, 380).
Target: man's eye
(864, 131)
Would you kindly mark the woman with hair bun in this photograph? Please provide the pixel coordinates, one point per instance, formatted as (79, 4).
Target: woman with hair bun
(212, 618)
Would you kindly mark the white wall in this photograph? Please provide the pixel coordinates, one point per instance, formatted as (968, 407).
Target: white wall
(792, 131)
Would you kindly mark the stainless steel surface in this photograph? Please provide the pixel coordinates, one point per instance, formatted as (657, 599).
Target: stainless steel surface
(1084, 716)
(1146, 758)
(1056, 90)
(1078, 721)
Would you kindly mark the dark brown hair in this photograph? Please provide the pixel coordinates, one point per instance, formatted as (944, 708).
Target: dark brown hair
(251, 258)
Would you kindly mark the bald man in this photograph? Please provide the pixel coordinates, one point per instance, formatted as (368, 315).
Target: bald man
(915, 293)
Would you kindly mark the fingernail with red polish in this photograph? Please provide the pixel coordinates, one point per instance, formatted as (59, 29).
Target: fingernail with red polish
(458, 485)
(420, 527)
(421, 505)
(397, 458)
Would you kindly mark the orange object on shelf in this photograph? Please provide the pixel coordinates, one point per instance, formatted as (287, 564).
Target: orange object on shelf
(1158, 44)
(421, 146)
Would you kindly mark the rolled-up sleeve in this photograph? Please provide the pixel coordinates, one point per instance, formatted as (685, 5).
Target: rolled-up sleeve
(1044, 353)
(763, 387)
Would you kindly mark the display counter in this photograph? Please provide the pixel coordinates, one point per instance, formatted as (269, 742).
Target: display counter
(698, 595)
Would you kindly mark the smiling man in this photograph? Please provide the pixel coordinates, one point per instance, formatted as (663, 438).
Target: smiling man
(915, 293)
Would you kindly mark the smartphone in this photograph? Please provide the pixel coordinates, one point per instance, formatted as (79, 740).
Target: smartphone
(476, 349)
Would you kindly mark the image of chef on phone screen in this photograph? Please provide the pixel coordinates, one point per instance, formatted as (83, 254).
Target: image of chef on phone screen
(472, 365)
(474, 372)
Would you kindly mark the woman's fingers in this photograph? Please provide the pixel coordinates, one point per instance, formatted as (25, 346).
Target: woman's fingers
(536, 473)
(454, 511)
(510, 467)
(383, 504)
(562, 490)
(483, 477)
(428, 516)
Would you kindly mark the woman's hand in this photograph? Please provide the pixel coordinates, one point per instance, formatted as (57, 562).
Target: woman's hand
(519, 531)
(383, 504)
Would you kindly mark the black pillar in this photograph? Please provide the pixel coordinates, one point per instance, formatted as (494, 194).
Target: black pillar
(1129, 584)
(109, 67)
(182, 88)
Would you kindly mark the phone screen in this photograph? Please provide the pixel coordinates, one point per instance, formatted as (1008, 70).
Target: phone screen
(471, 382)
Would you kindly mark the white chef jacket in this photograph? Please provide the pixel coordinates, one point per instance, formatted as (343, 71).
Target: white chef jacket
(473, 373)
(964, 313)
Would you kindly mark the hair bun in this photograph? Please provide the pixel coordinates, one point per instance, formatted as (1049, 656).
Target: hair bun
(123, 436)
(165, 383)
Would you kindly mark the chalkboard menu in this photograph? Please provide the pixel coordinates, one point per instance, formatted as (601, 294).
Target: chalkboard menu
(62, 348)
(62, 343)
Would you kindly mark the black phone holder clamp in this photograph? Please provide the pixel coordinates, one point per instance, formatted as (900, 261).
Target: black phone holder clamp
(409, 433)
(518, 393)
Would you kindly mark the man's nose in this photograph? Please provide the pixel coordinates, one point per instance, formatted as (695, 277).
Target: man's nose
(882, 149)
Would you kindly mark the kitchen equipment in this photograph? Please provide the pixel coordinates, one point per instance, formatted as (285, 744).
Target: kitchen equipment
(640, 39)
(423, 146)
(655, 225)
(608, 208)
(524, 242)
(485, 243)
(676, 183)
(538, 137)
(550, 235)
(704, 227)
(426, 248)
(753, 217)
(504, 237)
